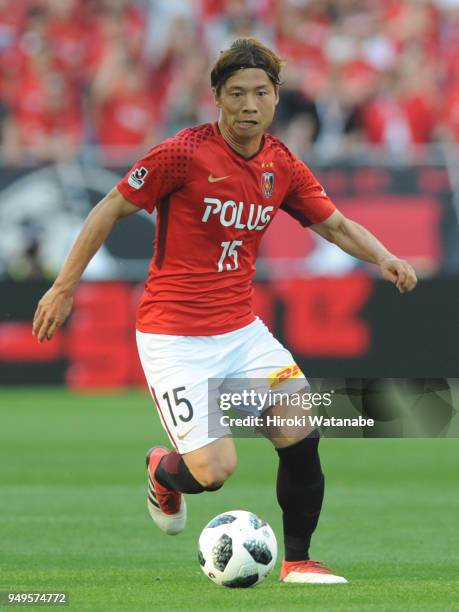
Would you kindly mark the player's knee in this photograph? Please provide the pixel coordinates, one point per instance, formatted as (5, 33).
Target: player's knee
(212, 477)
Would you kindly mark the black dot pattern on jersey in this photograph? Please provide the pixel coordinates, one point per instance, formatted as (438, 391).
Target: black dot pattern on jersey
(242, 582)
(299, 180)
(299, 184)
(171, 159)
(222, 519)
(259, 551)
(256, 521)
(222, 552)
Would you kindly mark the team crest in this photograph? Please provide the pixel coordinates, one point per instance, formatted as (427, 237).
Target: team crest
(267, 184)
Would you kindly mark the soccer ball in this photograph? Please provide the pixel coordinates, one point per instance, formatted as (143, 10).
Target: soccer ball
(237, 549)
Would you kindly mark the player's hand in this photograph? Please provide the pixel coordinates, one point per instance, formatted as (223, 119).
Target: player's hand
(399, 272)
(52, 310)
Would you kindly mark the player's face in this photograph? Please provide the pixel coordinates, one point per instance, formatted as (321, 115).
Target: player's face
(247, 102)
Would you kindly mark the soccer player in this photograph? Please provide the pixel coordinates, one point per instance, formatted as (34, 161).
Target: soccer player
(216, 188)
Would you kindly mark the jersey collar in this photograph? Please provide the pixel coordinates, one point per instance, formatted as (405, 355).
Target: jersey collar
(233, 151)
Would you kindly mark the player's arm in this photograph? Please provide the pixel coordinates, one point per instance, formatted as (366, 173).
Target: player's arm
(55, 306)
(359, 242)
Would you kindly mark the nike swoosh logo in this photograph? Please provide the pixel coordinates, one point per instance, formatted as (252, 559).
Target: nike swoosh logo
(185, 434)
(215, 179)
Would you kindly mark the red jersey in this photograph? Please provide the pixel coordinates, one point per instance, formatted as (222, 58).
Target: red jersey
(213, 207)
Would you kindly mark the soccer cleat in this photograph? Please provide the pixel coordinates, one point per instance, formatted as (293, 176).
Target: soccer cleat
(309, 572)
(166, 507)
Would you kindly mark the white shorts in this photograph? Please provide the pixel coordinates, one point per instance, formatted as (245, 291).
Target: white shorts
(179, 370)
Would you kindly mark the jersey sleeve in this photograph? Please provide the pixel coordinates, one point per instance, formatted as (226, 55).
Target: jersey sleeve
(162, 171)
(306, 200)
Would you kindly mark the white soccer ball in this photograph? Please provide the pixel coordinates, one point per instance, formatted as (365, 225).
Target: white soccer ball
(237, 549)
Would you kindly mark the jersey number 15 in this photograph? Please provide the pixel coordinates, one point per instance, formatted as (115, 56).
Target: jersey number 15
(230, 254)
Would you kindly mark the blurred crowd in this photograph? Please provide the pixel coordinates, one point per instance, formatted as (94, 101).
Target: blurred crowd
(124, 74)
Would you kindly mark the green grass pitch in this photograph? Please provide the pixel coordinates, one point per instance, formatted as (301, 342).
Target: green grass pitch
(73, 514)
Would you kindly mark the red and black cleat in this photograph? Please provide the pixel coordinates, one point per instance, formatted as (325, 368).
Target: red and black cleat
(166, 507)
(309, 572)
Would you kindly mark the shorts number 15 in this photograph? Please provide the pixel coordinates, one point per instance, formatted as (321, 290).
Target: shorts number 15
(229, 251)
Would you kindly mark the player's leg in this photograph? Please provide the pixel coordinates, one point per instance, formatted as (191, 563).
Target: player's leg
(203, 458)
(300, 490)
(171, 474)
(204, 469)
(300, 481)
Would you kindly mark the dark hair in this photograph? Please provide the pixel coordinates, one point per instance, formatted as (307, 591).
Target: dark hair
(245, 53)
